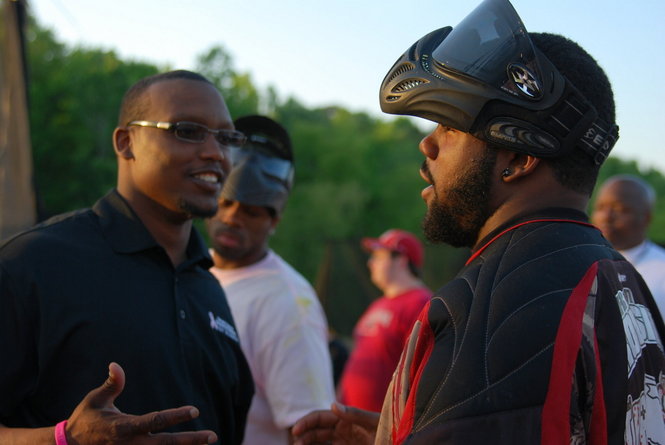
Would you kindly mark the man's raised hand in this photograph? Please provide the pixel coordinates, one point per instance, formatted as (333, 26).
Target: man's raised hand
(97, 421)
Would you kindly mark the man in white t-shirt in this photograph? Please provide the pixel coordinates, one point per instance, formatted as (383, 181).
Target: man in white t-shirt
(623, 211)
(282, 327)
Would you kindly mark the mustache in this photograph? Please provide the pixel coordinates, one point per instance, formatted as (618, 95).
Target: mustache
(424, 168)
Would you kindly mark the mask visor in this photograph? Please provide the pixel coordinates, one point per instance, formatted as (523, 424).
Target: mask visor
(277, 168)
(486, 43)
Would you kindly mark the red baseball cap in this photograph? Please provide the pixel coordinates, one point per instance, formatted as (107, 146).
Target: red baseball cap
(399, 241)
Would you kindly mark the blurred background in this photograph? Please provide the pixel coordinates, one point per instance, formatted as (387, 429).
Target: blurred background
(64, 66)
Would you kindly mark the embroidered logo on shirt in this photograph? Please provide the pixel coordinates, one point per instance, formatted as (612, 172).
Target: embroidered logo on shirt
(222, 326)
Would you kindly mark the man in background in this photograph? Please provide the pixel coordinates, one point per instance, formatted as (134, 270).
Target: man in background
(396, 258)
(623, 211)
(127, 283)
(281, 325)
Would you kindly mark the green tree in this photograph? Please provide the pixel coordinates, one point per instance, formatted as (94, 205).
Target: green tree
(356, 175)
(74, 100)
(240, 94)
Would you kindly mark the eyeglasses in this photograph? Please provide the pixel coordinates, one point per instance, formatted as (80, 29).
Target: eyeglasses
(196, 133)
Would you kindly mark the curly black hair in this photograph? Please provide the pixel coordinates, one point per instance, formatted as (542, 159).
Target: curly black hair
(577, 170)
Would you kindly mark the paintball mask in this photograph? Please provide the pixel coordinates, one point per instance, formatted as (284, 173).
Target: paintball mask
(486, 77)
(262, 172)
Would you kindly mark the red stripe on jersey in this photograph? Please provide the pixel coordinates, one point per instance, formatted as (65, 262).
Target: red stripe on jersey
(486, 245)
(420, 358)
(598, 415)
(556, 410)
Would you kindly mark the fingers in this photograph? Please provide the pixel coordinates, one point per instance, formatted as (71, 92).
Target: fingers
(187, 438)
(97, 415)
(160, 420)
(154, 422)
(314, 428)
(367, 419)
(315, 437)
(116, 379)
(340, 409)
(341, 424)
(320, 419)
(105, 395)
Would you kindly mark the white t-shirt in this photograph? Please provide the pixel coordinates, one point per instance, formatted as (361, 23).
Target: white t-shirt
(649, 260)
(284, 335)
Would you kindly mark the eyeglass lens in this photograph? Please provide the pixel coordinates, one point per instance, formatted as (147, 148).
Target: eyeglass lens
(192, 132)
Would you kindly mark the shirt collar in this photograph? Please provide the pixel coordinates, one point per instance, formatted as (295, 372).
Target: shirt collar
(635, 253)
(562, 214)
(125, 232)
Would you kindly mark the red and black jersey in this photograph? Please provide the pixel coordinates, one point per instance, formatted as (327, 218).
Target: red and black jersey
(546, 336)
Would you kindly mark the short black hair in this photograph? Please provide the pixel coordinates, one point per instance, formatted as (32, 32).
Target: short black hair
(577, 170)
(133, 106)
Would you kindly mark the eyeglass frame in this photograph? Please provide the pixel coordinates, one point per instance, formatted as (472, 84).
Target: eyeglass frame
(172, 127)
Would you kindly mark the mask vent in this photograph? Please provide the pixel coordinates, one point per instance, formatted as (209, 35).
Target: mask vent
(407, 85)
(403, 68)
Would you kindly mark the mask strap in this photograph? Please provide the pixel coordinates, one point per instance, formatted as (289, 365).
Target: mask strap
(598, 140)
(576, 117)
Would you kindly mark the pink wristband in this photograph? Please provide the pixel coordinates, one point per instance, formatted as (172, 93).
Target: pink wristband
(60, 436)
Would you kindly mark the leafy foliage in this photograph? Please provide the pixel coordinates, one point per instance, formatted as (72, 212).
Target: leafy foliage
(239, 93)
(356, 175)
(74, 100)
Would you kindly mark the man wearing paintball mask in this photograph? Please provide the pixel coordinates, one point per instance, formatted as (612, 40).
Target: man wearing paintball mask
(547, 335)
(281, 325)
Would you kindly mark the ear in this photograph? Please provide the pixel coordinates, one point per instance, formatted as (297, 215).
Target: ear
(122, 143)
(518, 165)
(273, 225)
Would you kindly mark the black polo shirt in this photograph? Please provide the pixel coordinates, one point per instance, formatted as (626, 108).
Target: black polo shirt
(92, 286)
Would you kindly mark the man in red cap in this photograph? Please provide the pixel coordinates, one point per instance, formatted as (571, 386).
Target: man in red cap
(394, 265)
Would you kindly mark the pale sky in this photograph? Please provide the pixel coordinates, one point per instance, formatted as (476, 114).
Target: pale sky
(337, 52)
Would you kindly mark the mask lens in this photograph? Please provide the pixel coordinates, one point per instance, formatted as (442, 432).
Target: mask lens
(486, 42)
(277, 168)
(190, 132)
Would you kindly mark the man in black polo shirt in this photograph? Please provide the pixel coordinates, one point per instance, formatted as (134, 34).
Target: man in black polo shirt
(127, 283)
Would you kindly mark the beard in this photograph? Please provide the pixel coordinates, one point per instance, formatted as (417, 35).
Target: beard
(195, 211)
(457, 220)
